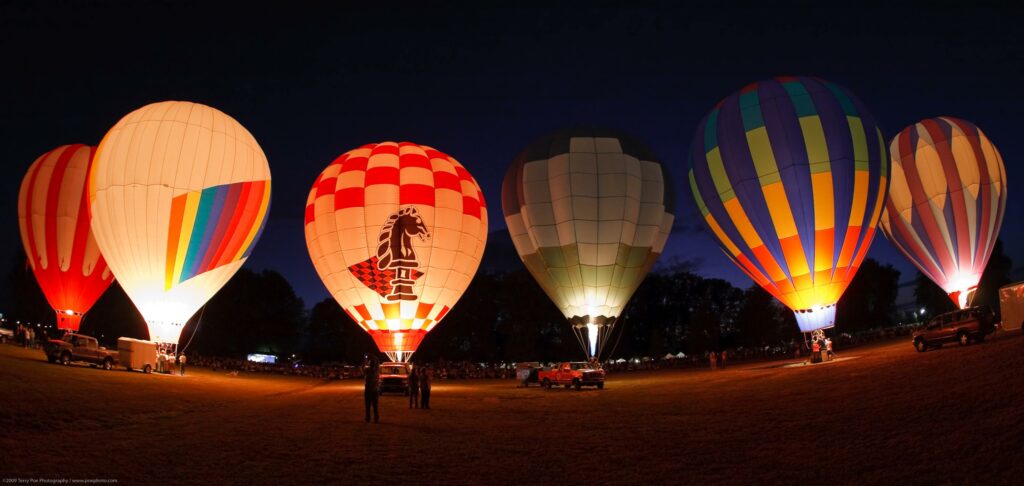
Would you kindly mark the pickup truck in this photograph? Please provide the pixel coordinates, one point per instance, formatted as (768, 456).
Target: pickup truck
(79, 347)
(572, 374)
(394, 377)
(962, 326)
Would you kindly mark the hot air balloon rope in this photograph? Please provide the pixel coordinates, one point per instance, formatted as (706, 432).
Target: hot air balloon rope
(579, 338)
(616, 345)
(194, 331)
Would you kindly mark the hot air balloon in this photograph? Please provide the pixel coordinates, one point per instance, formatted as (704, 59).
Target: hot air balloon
(790, 175)
(396, 232)
(946, 202)
(589, 211)
(179, 194)
(53, 217)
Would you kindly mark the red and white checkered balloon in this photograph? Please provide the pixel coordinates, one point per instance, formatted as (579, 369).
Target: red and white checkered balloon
(396, 232)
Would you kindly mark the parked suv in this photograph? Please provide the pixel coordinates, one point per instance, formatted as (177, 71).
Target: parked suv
(962, 326)
(79, 347)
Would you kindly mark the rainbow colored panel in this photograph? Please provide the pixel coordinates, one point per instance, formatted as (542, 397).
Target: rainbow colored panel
(213, 227)
(790, 174)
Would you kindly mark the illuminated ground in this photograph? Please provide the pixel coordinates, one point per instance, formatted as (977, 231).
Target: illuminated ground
(885, 414)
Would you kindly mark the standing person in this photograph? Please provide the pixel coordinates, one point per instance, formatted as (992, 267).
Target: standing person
(828, 348)
(725, 355)
(425, 379)
(414, 389)
(181, 364)
(371, 389)
(713, 360)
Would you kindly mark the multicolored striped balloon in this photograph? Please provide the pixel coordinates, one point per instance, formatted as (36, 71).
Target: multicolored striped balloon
(790, 174)
(53, 216)
(589, 211)
(180, 193)
(946, 202)
(396, 232)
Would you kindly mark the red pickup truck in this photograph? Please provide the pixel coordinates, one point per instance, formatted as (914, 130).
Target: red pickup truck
(576, 374)
(79, 347)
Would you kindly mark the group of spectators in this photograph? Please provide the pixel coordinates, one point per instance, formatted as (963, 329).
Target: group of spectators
(457, 370)
(29, 337)
(327, 371)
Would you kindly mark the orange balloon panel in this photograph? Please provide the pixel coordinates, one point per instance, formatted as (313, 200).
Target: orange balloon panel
(396, 231)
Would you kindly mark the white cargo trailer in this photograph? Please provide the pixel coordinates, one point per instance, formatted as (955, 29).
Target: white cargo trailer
(1011, 305)
(136, 354)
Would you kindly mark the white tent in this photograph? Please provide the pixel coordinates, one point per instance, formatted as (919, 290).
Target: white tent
(669, 356)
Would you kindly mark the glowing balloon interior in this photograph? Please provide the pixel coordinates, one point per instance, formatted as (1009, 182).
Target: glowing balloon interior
(180, 193)
(396, 232)
(53, 217)
(946, 203)
(589, 211)
(790, 175)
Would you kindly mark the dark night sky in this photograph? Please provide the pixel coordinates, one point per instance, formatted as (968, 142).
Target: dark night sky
(482, 83)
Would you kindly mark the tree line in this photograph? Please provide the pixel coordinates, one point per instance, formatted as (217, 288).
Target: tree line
(505, 316)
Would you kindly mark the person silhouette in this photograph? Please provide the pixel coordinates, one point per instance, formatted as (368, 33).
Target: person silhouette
(414, 389)
(371, 389)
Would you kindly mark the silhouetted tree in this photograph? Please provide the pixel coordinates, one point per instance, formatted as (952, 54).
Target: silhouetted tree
(253, 313)
(996, 274)
(331, 335)
(870, 300)
(113, 316)
(29, 303)
(930, 297)
(763, 321)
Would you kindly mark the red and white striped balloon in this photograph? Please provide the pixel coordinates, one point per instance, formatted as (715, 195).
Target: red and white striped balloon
(53, 217)
(946, 203)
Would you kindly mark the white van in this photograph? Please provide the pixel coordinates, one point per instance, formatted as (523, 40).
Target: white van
(136, 354)
(1011, 305)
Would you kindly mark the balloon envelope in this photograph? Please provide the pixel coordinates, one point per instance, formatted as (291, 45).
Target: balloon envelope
(589, 211)
(53, 217)
(396, 232)
(179, 195)
(790, 175)
(946, 203)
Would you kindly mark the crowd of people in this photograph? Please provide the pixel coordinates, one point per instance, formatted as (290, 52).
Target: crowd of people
(29, 337)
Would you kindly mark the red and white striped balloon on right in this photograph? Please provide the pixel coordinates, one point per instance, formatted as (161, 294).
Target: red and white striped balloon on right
(946, 201)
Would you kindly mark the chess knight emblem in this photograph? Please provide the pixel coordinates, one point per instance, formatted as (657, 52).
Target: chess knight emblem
(394, 269)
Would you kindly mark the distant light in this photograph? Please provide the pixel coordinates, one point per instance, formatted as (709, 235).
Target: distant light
(922, 311)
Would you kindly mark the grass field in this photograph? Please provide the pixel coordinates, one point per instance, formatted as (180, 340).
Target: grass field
(884, 414)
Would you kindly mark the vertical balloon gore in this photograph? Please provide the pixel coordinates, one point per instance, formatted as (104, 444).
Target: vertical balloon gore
(589, 211)
(53, 218)
(396, 232)
(790, 175)
(946, 203)
(180, 193)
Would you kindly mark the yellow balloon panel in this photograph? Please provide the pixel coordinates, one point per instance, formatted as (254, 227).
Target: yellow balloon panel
(179, 193)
